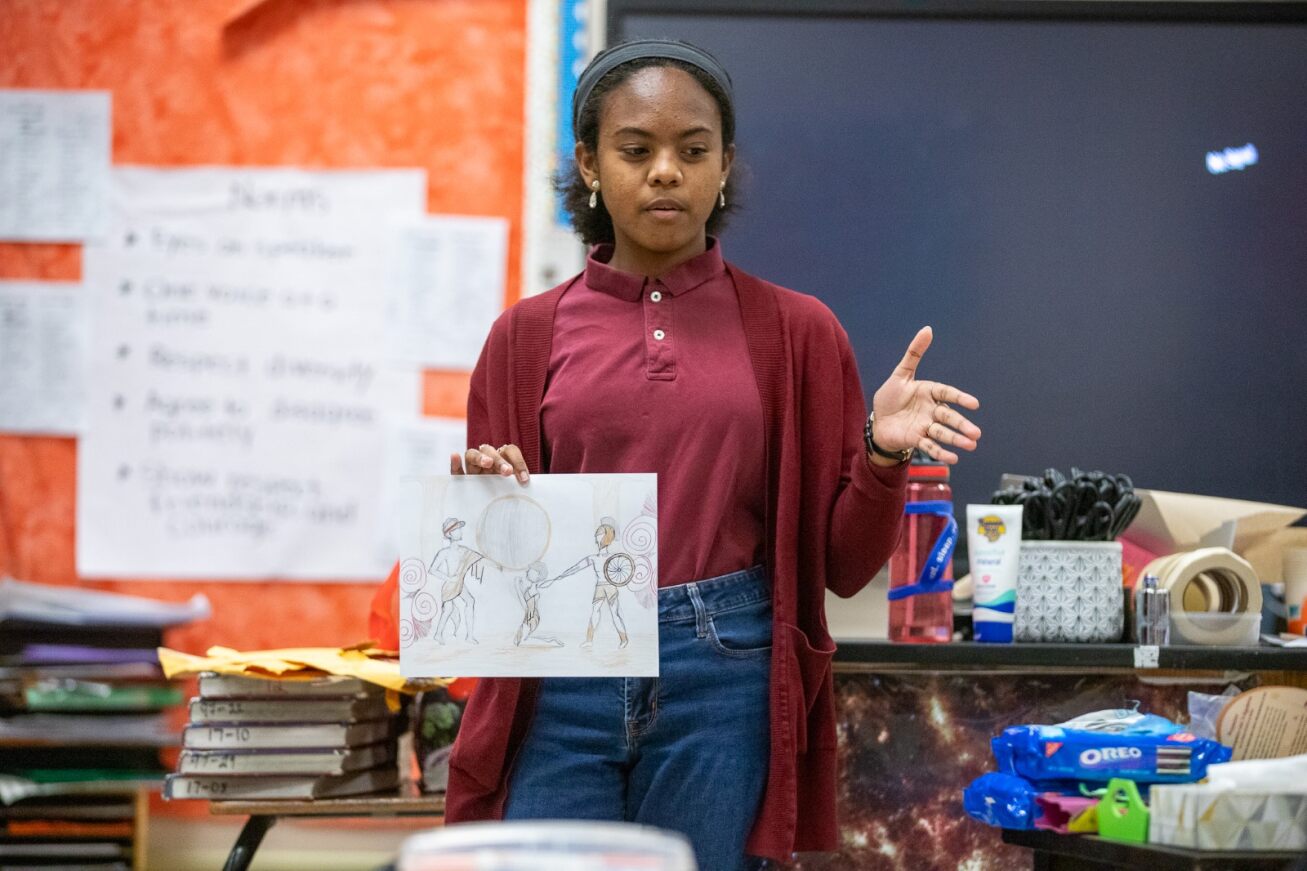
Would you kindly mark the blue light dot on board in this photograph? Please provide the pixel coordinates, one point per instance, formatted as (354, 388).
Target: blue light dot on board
(1219, 162)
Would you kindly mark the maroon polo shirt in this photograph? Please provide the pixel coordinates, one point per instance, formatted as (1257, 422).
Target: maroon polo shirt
(653, 375)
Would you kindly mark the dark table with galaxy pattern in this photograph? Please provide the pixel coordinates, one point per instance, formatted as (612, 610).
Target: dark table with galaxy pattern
(915, 722)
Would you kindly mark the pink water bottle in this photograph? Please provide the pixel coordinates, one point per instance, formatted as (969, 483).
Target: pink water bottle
(921, 569)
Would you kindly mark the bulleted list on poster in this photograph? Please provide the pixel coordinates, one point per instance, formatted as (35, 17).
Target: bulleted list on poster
(237, 389)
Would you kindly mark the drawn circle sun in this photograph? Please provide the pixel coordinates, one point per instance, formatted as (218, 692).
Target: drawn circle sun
(514, 531)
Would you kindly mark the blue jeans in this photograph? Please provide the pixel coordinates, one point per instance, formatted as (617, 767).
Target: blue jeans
(685, 751)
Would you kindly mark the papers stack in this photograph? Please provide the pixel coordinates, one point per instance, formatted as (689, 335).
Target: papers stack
(83, 715)
(286, 738)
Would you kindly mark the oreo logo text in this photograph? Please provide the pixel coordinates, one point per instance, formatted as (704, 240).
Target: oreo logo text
(1094, 756)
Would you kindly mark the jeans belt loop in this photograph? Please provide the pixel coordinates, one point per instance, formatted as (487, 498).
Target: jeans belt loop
(700, 612)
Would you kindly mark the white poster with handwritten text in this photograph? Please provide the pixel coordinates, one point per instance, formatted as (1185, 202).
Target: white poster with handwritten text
(449, 287)
(43, 330)
(55, 150)
(237, 390)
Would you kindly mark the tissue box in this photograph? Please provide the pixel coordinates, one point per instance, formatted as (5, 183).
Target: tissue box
(1208, 817)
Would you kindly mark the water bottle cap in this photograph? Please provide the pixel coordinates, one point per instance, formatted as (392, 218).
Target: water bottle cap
(924, 468)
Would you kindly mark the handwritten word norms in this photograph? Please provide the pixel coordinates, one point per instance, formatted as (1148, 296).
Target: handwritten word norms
(244, 196)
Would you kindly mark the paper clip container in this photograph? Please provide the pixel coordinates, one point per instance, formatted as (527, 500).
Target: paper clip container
(547, 845)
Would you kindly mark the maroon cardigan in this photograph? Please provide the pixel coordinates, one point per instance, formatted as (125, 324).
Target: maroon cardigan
(832, 521)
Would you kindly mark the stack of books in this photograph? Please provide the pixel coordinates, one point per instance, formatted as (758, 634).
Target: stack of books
(293, 738)
(83, 717)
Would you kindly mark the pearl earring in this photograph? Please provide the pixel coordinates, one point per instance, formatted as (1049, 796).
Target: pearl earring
(721, 195)
(594, 193)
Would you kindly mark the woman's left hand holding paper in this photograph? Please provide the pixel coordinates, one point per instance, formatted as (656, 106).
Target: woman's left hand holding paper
(506, 460)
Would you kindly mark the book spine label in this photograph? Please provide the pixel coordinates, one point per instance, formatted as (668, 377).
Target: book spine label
(215, 763)
(220, 687)
(220, 736)
(207, 787)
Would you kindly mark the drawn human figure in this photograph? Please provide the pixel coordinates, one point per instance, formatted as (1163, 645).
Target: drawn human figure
(450, 568)
(528, 587)
(606, 593)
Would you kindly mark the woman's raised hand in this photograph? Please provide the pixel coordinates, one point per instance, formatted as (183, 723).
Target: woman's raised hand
(486, 460)
(917, 414)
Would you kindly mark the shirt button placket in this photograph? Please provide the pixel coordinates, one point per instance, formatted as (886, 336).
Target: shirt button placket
(658, 314)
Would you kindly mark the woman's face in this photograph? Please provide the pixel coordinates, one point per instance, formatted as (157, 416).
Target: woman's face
(660, 164)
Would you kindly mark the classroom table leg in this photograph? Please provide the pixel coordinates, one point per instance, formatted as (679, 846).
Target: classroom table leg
(242, 852)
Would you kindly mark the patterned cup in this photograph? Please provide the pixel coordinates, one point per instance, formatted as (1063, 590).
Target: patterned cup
(1069, 591)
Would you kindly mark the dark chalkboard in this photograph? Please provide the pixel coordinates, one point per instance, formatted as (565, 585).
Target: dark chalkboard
(1052, 193)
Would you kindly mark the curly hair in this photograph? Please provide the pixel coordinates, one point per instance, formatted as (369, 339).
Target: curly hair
(595, 226)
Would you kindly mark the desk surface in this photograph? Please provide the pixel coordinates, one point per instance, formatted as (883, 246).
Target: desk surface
(357, 806)
(1155, 857)
(862, 655)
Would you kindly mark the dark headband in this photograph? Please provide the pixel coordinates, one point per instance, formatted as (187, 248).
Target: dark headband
(610, 58)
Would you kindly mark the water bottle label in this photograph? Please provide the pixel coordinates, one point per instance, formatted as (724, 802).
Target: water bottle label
(931, 579)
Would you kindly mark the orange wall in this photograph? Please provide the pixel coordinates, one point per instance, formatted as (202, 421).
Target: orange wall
(437, 84)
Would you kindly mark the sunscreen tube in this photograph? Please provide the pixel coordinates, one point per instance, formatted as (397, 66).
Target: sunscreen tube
(994, 549)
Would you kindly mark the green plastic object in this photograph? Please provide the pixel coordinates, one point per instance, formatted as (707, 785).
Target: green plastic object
(1122, 814)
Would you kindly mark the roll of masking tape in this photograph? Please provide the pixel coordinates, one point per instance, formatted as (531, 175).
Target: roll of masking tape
(1216, 598)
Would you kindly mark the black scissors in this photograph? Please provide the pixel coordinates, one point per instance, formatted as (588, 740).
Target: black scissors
(1088, 506)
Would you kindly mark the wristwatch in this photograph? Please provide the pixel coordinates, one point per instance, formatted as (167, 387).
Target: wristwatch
(902, 456)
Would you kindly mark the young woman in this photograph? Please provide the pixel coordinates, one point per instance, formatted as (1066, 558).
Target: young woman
(774, 484)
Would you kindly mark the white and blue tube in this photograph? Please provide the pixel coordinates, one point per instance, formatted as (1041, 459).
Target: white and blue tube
(994, 549)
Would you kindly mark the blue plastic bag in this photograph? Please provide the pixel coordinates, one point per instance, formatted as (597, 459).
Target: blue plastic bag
(1106, 744)
(1002, 800)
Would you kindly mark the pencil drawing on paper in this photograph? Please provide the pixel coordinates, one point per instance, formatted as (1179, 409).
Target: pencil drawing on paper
(514, 530)
(528, 587)
(477, 594)
(612, 571)
(449, 570)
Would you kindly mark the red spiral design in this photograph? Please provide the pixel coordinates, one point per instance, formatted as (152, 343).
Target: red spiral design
(424, 606)
(412, 575)
(640, 536)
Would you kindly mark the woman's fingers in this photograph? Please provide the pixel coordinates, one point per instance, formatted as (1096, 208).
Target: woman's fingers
(455, 464)
(934, 451)
(949, 418)
(942, 435)
(513, 454)
(907, 367)
(472, 461)
(492, 463)
(953, 396)
(488, 460)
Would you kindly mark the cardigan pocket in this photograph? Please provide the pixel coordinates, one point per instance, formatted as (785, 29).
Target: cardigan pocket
(811, 666)
(481, 749)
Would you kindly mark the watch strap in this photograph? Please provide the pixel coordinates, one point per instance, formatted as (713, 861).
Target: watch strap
(902, 456)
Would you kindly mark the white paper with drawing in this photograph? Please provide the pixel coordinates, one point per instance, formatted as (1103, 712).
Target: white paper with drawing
(555, 579)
